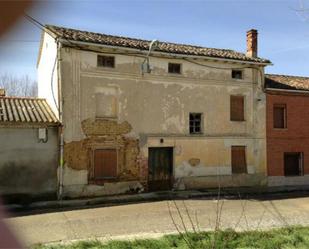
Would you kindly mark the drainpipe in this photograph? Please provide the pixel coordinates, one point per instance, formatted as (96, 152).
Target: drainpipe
(61, 164)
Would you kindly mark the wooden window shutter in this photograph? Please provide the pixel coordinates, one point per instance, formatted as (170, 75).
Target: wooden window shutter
(239, 164)
(279, 112)
(105, 163)
(237, 108)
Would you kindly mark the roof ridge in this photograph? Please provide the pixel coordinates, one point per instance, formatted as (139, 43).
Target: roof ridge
(19, 97)
(97, 33)
(141, 39)
(71, 34)
(287, 75)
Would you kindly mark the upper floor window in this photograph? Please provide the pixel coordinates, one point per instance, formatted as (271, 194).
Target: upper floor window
(237, 74)
(279, 112)
(174, 68)
(237, 109)
(195, 123)
(106, 61)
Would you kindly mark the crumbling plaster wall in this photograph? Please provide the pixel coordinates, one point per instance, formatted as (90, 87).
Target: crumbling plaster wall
(157, 105)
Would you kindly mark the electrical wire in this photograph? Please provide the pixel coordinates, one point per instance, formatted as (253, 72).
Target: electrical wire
(41, 27)
(73, 45)
(52, 83)
(3, 40)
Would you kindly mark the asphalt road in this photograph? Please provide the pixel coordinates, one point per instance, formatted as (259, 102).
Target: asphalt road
(157, 218)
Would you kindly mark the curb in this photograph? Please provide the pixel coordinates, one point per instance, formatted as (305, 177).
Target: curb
(227, 193)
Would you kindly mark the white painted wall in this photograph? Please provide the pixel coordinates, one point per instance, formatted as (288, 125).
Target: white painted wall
(47, 77)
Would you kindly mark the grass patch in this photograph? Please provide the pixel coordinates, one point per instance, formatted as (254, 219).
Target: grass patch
(284, 238)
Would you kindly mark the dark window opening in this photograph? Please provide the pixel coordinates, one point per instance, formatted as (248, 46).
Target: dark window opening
(106, 61)
(239, 164)
(174, 68)
(279, 116)
(237, 74)
(195, 123)
(293, 164)
(105, 164)
(237, 110)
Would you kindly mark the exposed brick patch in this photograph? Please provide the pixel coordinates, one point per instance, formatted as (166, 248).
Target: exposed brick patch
(102, 134)
(104, 127)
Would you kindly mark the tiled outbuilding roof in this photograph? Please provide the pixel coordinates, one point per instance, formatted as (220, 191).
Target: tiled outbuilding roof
(19, 110)
(286, 82)
(166, 47)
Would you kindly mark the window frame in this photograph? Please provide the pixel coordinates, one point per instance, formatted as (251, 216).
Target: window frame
(236, 71)
(113, 105)
(194, 125)
(174, 73)
(245, 159)
(284, 106)
(94, 165)
(233, 118)
(300, 161)
(104, 65)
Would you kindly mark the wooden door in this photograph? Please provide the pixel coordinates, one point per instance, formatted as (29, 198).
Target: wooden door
(105, 163)
(160, 168)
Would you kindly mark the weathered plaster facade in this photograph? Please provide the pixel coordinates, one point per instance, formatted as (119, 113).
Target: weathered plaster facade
(138, 111)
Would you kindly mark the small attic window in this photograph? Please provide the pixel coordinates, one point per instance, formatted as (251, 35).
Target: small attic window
(237, 74)
(174, 68)
(106, 61)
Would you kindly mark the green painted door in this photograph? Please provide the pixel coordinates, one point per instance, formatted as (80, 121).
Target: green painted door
(160, 168)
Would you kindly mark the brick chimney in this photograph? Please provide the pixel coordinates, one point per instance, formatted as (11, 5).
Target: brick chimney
(252, 40)
(2, 92)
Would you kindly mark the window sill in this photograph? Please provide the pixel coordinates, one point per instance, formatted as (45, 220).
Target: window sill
(102, 181)
(174, 74)
(105, 68)
(238, 120)
(196, 134)
(280, 129)
(106, 118)
(293, 175)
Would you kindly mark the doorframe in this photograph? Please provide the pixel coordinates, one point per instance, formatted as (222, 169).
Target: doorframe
(173, 162)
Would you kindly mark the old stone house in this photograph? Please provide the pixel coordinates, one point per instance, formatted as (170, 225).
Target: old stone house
(29, 149)
(148, 115)
(287, 130)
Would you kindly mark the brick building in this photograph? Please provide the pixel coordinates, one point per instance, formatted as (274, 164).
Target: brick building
(287, 130)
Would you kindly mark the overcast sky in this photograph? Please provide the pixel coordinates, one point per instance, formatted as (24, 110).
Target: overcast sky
(283, 31)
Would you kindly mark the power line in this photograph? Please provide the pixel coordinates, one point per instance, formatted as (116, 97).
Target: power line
(42, 27)
(34, 21)
(19, 41)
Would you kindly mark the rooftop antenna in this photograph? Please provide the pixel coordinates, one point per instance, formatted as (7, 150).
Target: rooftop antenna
(145, 65)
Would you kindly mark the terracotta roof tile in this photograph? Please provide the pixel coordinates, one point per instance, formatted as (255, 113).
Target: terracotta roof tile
(286, 82)
(21, 110)
(167, 47)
